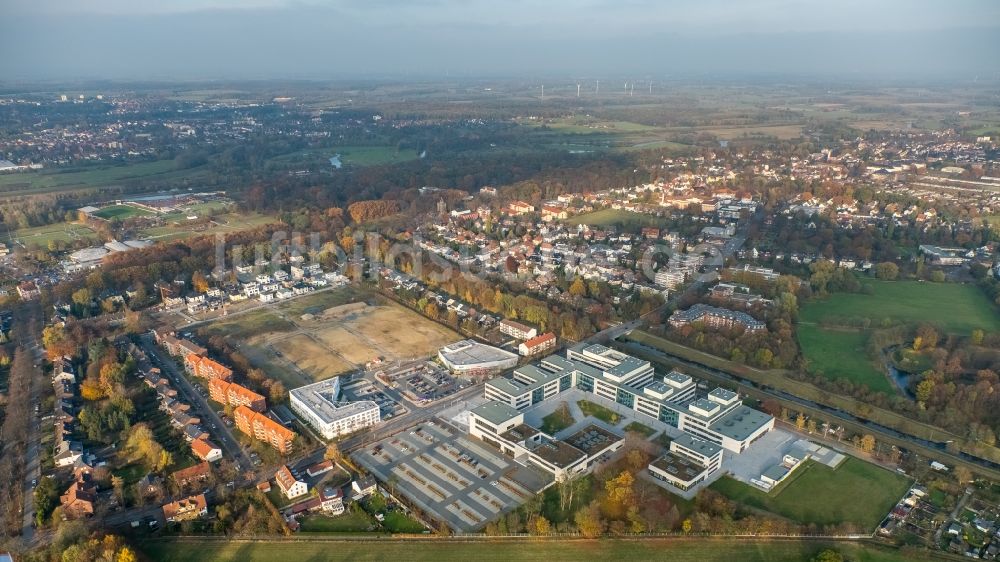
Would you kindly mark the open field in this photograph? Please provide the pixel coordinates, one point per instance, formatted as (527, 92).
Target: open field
(52, 180)
(841, 354)
(248, 325)
(174, 230)
(698, 549)
(59, 232)
(349, 155)
(855, 492)
(615, 217)
(312, 357)
(955, 308)
(121, 212)
(336, 339)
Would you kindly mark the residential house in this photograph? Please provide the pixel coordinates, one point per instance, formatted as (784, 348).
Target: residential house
(290, 486)
(193, 507)
(78, 501)
(205, 450)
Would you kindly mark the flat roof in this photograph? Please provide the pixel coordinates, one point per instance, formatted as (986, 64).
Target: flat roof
(468, 352)
(723, 394)
(558, 453)
(496, 412)
(592, 439)
(519, 433)
(700, 446)
(776, 472)
(740, 423)
(321, 399)
(679, 467)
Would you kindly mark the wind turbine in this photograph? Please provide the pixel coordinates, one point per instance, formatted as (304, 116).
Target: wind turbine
(598, 89)
(578, 90)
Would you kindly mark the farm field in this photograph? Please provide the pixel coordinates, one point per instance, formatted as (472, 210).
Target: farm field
(617, 217)
(841, 354)
(855, 492)
(675, 550)
(53, 180)
(955, 308)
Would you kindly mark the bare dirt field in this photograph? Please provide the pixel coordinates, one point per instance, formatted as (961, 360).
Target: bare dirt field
(311, 357)
(331, 333)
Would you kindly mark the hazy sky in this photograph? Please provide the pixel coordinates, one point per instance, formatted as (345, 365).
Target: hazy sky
(195, 39)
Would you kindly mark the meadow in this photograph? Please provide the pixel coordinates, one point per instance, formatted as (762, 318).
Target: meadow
(697, 549)
(855, 492)
(616, 217)
(841, 354)
(955, 308)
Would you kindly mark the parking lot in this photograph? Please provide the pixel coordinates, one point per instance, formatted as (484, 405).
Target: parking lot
(451, 476)
(421, 383)
(366, 390)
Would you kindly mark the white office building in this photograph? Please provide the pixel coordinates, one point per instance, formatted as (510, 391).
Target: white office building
(319, 404)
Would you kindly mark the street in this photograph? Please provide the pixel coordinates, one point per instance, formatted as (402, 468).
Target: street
(220, 431)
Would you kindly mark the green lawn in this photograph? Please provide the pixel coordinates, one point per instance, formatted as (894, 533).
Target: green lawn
(639, 428)
(53, 180)
(349, 522)
(616, 217)
(599, 412)
(557, 421)
(856, 492)
(59, 232)
(121, 212)
(693, 550)
(954, 307)
(371, 155)
(841, 354)
(399, 522)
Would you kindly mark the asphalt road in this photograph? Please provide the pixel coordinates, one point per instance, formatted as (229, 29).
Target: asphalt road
(32, 469)
(221, 432)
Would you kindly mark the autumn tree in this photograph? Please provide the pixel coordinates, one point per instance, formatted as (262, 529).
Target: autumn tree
(867, 443)
(589, 521)
(199, 282)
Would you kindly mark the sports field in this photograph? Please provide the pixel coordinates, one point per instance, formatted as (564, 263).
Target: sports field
(616, 217)
(841, 354)
(59, 232)
(954, 307)
(855, 492)
(698, 549)
(121, 212)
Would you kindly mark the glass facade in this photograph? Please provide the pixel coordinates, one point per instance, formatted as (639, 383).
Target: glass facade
(668, 416)
(585, 382)
(625, 398)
